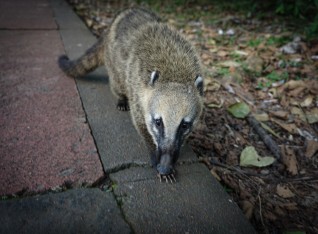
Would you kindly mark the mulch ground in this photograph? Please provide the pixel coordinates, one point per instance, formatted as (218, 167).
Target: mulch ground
(266, 65)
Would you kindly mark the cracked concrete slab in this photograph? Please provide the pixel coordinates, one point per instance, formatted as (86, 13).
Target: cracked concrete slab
(73, 211)
(195, 204)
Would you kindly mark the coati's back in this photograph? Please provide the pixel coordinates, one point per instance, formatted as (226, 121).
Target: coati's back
(118, 36)
(139, 42)
(138, 34)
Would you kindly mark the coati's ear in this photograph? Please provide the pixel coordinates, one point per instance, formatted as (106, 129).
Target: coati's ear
(153, 77)
(199, 84)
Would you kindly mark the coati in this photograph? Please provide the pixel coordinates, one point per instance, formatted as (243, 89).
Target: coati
(155, 73)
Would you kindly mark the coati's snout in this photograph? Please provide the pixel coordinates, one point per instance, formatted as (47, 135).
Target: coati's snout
(172, 111)
(165, 166)
(167, 156)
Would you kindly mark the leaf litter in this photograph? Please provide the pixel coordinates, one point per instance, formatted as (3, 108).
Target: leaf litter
(273, 71)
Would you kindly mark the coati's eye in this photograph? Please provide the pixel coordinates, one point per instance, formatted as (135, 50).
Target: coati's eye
(185, 125)
(158, 122)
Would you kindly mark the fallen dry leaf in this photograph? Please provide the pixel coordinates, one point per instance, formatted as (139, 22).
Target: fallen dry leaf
(217, 103)
(299, 113)
(218, 148)
(280, 114)
(244, 94)
(289, 160)
(229, 63)
(297, 91)
(254, 63)
(240, 52)
(291, 128)
(284, 101)
(227, 84)
(249, 157)
(247, 208)
(212, 85)
(312, 115)
(312, 148)
(271, 131)
(239, 110)
(283, 191)
(279, 211)
(294, 102)
(290, 206)
(312, 86)
(232, 159)
(270, 216)
(307, 102)
(273, 93)
(262, 117)
(215, 174)
(292, 84)
(222, 53)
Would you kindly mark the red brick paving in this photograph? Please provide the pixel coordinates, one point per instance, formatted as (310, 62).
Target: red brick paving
(26, 14)
(44, 139)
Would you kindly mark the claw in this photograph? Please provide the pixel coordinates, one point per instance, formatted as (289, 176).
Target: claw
(168, 178)
(160, 177)
(174, 178)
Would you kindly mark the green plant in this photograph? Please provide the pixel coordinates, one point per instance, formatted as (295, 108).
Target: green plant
(271, 78)
(262, 85)
(274, 76)
(278, 41)
(254, 42)
(223, 71)
(301, 9)
(312, 29)
(236, 57)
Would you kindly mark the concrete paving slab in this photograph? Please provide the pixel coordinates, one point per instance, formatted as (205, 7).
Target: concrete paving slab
(195, 204)
(45, 139)
(65, 17)
(21, 14)
(118, 142)
(73, 211)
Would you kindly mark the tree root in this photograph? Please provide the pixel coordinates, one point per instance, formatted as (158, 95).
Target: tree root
(267, 139)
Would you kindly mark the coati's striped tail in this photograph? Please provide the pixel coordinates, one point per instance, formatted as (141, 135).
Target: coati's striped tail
(93, 58)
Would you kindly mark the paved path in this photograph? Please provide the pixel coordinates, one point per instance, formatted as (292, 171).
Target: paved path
(55, 131)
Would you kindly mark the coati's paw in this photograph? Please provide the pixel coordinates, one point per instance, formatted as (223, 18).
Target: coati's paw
(170, 178)
(123, 105)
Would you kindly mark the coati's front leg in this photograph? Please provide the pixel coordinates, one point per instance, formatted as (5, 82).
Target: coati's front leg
(123, 104)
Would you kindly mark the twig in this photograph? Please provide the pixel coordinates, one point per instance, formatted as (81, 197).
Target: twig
(284, 180)
(236, 169)
(260, 206)
(267, 139)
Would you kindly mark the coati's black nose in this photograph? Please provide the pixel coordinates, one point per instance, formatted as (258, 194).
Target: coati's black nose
(165, 165)
(164, 170)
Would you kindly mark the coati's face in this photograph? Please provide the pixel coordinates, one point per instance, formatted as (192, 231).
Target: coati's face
(173, 110)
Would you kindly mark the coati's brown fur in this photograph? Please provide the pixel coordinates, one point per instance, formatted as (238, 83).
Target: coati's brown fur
(154, 72)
